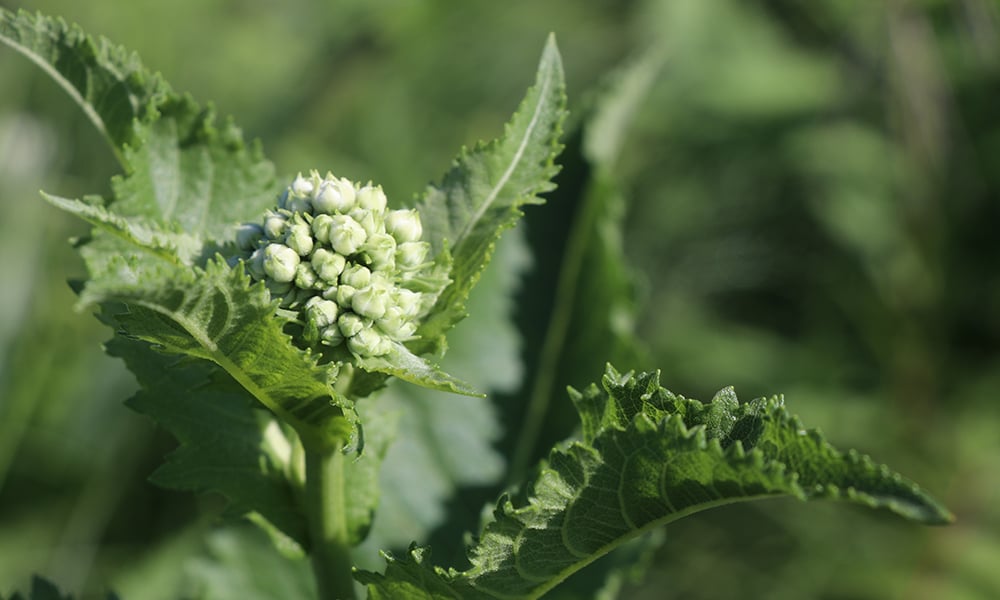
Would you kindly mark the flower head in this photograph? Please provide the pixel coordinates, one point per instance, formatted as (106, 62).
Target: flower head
(339, 259)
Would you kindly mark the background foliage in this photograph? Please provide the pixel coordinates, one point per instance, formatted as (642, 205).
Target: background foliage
(811, 204)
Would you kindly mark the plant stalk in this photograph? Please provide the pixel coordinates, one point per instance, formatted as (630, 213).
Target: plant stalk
(327, 511)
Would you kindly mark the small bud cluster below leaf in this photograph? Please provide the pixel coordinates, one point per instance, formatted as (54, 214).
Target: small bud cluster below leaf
(336, 254)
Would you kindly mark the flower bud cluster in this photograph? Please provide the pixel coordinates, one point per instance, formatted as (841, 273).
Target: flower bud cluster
(335, 253)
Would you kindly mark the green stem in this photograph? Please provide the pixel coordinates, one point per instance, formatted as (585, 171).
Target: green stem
(327, 512)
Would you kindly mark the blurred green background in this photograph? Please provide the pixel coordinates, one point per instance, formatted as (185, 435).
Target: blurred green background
(812, 208)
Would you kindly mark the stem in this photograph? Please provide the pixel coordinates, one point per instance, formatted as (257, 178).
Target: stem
(327, 511)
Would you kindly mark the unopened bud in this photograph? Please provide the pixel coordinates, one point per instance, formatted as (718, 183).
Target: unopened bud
(299, 238)
(369, 342)
(370, 302)
(274, 225)
(350, 324)
(381, 250)
(357, 276)
(305, 276)
(372, 198)
(322, 313)
(328, 265)
(280, 262)
(334, 195)
(346, 235)
(404, 225)
(411, 255)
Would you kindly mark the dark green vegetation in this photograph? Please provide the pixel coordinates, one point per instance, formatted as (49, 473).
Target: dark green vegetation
(809, 209)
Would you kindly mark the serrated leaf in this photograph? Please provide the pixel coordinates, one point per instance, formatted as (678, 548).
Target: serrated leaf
(109, 83)
(227, 444)
(215, 314)
(181, 168)
(649, 457)
(482, 194)
(583, 286)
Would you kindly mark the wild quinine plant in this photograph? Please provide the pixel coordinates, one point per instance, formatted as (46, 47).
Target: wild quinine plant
(258, 313)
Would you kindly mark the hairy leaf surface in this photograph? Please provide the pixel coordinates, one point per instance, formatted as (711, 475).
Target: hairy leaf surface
(649, 457)
(483, 193)
(227, 443)
(215, 314)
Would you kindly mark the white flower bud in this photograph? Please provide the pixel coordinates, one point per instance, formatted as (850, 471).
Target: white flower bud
(404, 225)
(346, 235)
(381, 249)
(357, 276)
(396, 325)
(350, 324)
(369, 342)
(334, 195)
(255, 264)
(372, 198)
(321, 228)
(298, 237)
(328, 265)
(280, 262)
(345, 294)
(407, 301)
(305, 276)
(302, 186)
(247, 236)
(370, 302)
(322, 313)
(368, 220)
(411, 255)
(330, 293)
(274, 225)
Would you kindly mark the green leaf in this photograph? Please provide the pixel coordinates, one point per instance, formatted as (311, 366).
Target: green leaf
(583, 286)
(215, 314)
(649, 457)
(182, 169)
(110, 84)
(407, 366)
(228, 444)
(482, 194)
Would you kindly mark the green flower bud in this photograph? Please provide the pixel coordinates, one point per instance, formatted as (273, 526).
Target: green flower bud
(322, 313)
(372, 198)
(330, 293)
(299, 238)
(247, 236)
(305, 276)
(404, 225)
(280, 262)
(328, 265)
(357, 276)
(255, 264)
(345, 294)
(370, 302)
(350, 324)
(334, 195)
(346, 235)
(369, 342)
(321, 228)
(274, 225)
(331, 336)
(412, 255)
(381, 249)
